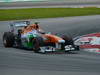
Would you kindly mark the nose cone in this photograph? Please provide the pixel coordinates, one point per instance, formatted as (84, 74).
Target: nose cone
(61, 41)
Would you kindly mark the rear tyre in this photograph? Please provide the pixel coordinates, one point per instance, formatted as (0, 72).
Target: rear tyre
(8, 39)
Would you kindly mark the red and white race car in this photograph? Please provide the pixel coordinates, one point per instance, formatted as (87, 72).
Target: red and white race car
(89, 42)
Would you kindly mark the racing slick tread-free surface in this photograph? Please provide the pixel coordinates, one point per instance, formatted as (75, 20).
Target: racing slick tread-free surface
(8, 39)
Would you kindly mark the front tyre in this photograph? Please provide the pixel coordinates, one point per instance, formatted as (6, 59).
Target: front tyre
(69, 44)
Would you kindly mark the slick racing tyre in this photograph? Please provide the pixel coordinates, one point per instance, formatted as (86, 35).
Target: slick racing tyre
(37, 42)
(8, 39)
(68, 41)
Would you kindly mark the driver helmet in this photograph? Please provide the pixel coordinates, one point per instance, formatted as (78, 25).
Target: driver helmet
(36, 25)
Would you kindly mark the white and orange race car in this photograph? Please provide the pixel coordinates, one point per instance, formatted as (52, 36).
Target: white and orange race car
(31, 36)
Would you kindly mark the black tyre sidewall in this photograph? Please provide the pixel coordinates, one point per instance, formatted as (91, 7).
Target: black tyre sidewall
(9, 38)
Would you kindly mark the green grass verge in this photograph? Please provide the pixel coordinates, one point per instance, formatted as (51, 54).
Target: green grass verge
(33, 13)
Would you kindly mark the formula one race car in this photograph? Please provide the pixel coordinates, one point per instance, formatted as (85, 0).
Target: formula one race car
(22, 34)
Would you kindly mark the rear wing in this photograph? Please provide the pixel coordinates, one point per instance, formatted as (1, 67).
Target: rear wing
(21, 23)
(18, 24)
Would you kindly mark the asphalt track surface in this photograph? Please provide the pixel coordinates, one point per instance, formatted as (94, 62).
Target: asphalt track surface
(23, 62)
(47, 4)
